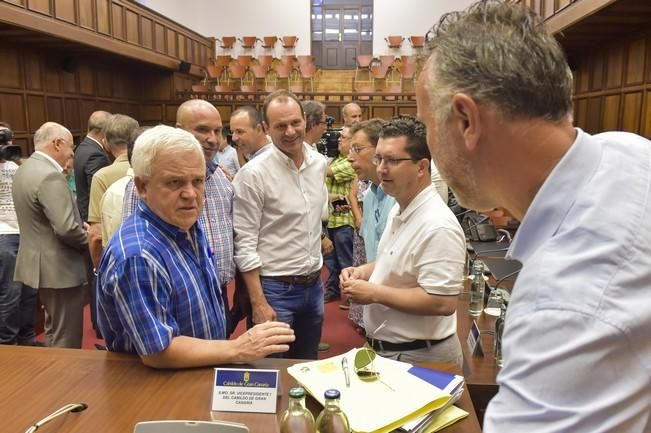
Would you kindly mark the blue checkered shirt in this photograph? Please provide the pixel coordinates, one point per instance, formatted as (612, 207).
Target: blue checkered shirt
(155, 284)
(216, 219)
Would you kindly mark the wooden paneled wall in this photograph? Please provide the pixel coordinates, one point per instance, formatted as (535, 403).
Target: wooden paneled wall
(612, 87)
(38, 85)
(120, 26)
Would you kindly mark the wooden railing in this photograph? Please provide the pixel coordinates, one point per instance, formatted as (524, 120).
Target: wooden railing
(561, 14)
(123, 27)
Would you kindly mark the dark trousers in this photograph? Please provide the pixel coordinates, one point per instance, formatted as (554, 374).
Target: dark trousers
(341, 257)
(17, 301)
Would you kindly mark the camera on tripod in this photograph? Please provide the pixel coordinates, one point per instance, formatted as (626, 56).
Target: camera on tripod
(328, 144)
(8, 150)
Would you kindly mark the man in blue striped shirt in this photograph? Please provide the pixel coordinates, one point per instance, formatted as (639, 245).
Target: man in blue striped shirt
(158, 287)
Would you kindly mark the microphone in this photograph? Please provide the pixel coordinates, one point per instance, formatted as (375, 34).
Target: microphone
(73, 407)
(481, 220)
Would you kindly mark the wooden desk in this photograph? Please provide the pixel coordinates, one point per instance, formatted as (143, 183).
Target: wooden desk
(120, 392)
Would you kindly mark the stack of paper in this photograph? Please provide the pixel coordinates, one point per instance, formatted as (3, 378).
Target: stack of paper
(400, 396)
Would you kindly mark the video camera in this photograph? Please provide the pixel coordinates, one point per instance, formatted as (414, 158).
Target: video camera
(9, 151)
(328, 144)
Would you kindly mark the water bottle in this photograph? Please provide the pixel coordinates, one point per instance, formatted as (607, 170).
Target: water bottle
(499, 329)
(297, 418)
(477, 286)
(332, 419)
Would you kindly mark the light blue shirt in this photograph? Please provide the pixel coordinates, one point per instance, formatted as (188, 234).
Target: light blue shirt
(377, 205)
(576, 345)
(227, 159)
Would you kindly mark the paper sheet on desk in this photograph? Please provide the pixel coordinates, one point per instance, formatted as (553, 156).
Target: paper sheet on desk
(371, 406)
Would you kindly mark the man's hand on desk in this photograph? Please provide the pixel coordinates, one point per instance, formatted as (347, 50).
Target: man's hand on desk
(264, 339)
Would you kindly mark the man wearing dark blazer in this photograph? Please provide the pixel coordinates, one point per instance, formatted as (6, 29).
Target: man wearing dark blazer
(53, 238)
(90, 156)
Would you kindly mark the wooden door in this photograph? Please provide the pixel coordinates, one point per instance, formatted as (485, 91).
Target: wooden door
(340, 33)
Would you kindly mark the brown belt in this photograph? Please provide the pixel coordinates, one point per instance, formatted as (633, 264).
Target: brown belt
(304, 280)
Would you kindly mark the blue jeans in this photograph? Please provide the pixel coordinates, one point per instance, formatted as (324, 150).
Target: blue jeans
(17, 301)
(302, 308)
(341, 257)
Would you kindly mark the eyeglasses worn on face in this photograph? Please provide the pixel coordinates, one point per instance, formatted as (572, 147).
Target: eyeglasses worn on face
(391, 162)
(357, 149)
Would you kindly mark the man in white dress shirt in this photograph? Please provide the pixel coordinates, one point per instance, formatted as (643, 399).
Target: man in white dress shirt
(277, 216)
(410, 291)
(497, 102)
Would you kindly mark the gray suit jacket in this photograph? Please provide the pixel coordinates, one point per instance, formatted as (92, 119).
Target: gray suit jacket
(52, 238)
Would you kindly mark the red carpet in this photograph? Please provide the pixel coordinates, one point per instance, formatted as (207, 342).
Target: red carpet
(338, 331)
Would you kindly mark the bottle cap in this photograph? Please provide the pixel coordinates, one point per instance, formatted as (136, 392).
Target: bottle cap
(297, 392)
(331, 394)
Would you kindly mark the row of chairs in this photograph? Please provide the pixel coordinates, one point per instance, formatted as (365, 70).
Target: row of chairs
(249, 42)
(262, 73)
(416, 42)
(386, 73)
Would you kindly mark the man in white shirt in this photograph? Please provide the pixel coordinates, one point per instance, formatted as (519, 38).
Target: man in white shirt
(277, 216)
(497, 102)
(410, 291)
(248, 132)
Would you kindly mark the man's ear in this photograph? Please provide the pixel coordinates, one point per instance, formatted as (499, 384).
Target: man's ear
(466, 118)
(141, 187)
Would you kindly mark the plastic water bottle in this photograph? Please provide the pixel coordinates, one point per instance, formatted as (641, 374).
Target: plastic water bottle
(499, 329)
(297, 418)
(477, 287)
(332, 419)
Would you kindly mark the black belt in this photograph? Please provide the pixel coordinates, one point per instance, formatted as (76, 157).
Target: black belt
(305, 280)
(403, 347)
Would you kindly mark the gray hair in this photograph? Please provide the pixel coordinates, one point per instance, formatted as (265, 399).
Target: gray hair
(313, 112)
(97, 120)
(119, 129)
(158, 139)
(48, 132)
(499, 53)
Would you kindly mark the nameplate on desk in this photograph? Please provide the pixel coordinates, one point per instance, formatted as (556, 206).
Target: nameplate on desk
(242, 390)
(474, 340)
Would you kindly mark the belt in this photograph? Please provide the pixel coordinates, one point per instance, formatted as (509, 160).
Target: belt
(304, 280)
(403, 347)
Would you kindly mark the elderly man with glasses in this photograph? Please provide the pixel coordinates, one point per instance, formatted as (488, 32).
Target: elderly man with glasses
(410, 291)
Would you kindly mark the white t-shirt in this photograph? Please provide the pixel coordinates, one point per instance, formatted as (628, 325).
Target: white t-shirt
(422, 246)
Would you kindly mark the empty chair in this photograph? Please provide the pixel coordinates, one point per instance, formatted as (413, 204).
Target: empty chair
(247, 84)
(304, 60)
(289, 41)
(248, 41)
(215, 71)
(364, 87)
(265, 60)
(287, 60)
(363, 60)
(199, 88)
(259, 72)
(387, 61)
(308, 73)
(283, 70)
(408, 75)
(223, 60)
(417, 41)
(394, 41)
(244, 60)
(379, 74)
(362, 71)
(236, 72)
(271, 81)
(227, 42)
(269, 42)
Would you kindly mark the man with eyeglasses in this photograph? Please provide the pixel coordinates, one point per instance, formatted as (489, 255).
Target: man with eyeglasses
(410, 291)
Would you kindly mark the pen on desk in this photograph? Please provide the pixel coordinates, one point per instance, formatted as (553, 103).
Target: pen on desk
(344, 367)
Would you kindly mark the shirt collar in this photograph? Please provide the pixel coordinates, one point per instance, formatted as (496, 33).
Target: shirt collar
(172, 231)
(211, 166)
(96, 142)
(417, 202)
(260, 151)
(556, 197)
(52, 160)
(308, 157)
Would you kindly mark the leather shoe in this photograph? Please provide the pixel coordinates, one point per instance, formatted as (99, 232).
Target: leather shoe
(329, 297)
